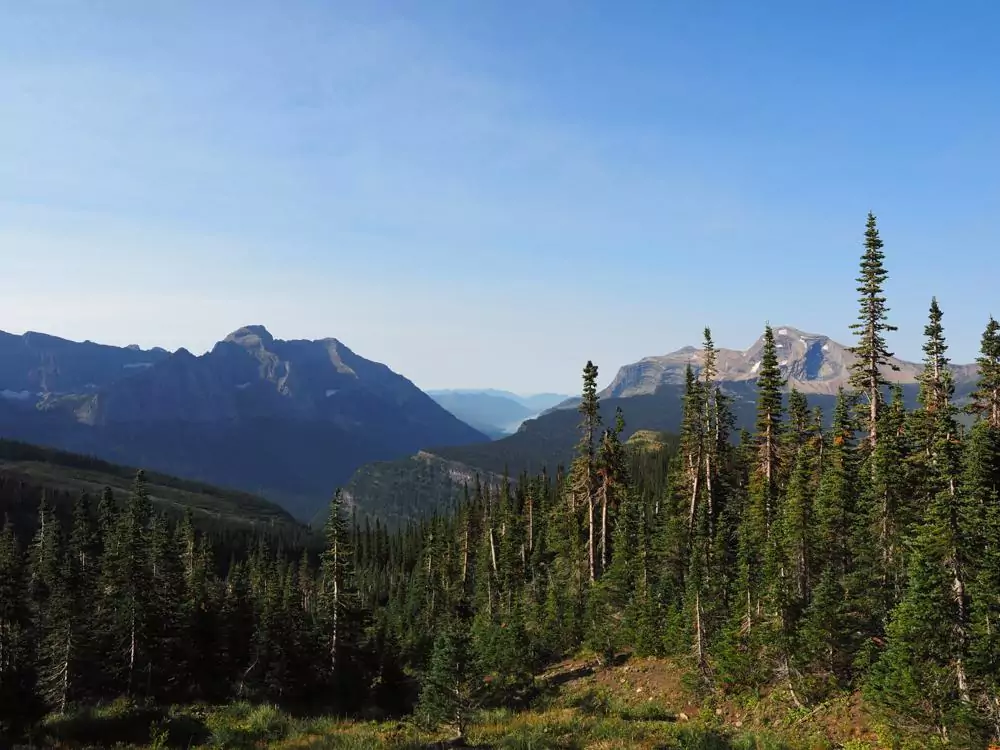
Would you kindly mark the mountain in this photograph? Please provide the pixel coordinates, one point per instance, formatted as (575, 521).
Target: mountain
(649, 394)
(36, 363)
(495, 416)
(494, 412)
(290, 420)
(813, 364)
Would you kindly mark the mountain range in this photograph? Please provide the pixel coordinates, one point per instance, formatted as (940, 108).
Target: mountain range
(812, 363)
(290, 420)
(649, 394)
(494, 412)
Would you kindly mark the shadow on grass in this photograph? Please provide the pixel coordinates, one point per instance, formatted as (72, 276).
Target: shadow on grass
(132, 725)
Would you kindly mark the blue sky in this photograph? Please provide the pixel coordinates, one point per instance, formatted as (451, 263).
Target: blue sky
(490, 193)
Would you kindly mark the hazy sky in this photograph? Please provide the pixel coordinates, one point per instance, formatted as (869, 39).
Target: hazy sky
(490, 193)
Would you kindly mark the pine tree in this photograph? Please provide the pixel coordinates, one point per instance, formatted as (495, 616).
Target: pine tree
(923, 672)
(890, 503)
(126, 592)
(337, 603)
(986, 398)
(981, 491)
(165, 616)
(67, 645)
(451, 687)
(17, 699)
(584, 466)
(769, 423)
(827, 640)
(872, 352)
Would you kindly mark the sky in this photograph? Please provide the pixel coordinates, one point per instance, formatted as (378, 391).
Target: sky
(491, 193)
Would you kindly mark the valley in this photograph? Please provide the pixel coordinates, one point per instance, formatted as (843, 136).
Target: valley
(401, 376)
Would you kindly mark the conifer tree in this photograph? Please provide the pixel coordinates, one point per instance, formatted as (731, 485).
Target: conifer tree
(66, 647)
(17, 704)
(923, 672)
(451, 687)
(126, 591)
(871, 351)
(584, 466)
(337, 602)
(986, 398)
(981, 491)
(827, 639)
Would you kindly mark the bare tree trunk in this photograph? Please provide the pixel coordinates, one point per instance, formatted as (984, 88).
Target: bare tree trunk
(531, 523)
(465, 555)
(699, 638)
(132, 649)
(695, 473)
(787, 674)
(493, 549)
(604, 528)
(590, 534)
(709, 496)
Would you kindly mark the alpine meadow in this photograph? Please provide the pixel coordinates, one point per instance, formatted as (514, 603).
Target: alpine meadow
(822, 580)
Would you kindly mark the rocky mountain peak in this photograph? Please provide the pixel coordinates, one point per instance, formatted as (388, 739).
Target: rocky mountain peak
(255, 336)
(812, 363)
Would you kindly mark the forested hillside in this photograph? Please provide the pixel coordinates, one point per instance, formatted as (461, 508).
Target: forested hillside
(810, 560)
(60, 473)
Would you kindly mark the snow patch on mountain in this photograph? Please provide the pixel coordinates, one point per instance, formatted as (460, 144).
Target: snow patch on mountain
(17, 395)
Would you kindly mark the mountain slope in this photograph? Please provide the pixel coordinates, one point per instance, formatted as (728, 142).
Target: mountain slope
(61, 472)
(36, 363)
(813, 364)
(287, 419)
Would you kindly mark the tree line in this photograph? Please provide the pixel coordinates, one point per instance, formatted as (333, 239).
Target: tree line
(800, 557)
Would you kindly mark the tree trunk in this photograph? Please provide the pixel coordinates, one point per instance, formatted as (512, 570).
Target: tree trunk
(531, 523)
(699, 639)
(493, 550)
(590, 535)
(604, 528)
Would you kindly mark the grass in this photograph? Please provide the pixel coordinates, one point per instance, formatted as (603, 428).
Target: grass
(637, 703)
(595, 724)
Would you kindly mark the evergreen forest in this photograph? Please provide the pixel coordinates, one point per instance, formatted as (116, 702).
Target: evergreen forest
(815, 557)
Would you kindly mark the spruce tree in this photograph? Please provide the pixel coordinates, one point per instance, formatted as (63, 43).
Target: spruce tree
(871, 352)
(584, 466)
(451, 687)
(17, 689)
(923, 673)
(338, 607)
(827, 638)
(126, 593)
(986, 398)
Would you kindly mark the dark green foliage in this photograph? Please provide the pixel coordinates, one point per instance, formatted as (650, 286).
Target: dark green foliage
(452, 685)
(871, 350)
(803, 558)
(986, 398)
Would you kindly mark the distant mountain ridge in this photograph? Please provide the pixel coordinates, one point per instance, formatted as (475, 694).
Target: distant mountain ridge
(287, 419)
(649, 393)
(494, 412)
(813, 363)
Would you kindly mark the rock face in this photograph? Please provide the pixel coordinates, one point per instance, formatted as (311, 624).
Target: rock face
(291, 419)
(38, 364)
(813, 363)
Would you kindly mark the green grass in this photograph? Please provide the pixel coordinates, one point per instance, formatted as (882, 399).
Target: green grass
(600, 724)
